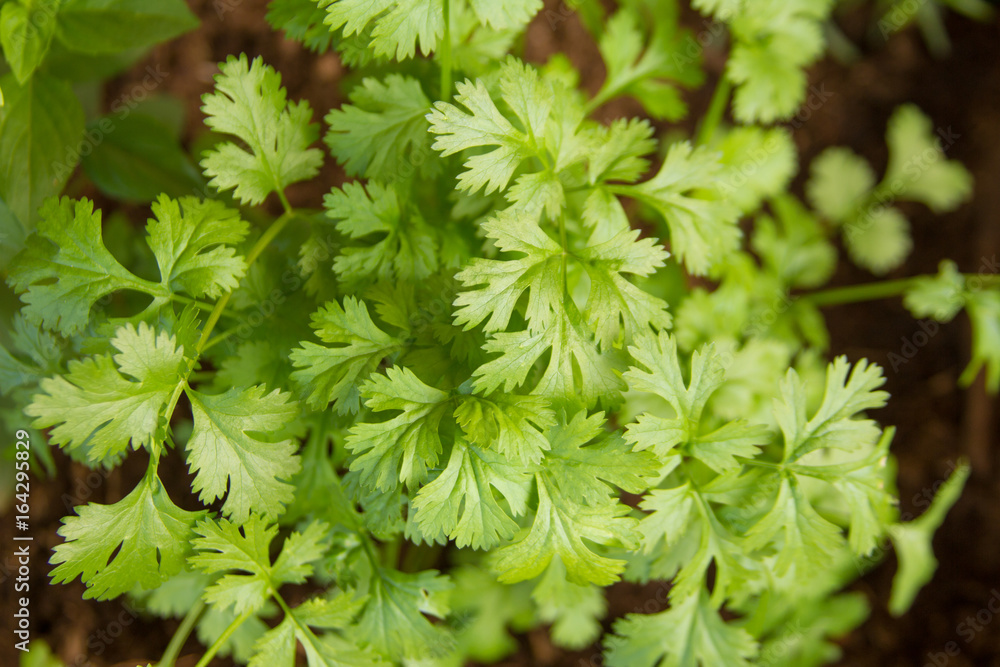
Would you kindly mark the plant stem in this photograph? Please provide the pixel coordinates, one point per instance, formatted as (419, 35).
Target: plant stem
(716, 108)
(446, 53)
(183, 632)
(226, 634)
(856, 293)
(258, 247)
(193, 302)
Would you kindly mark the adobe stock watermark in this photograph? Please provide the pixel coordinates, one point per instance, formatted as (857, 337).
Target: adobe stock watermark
(967, 629)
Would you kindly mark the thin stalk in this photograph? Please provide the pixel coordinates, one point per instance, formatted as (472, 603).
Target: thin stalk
(194, 302)
(857, 293)
(227, 633)
(446, 53)
(716, 108)
(183, 632)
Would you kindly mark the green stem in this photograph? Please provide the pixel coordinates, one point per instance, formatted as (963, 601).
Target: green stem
(716, 108)
(856, 293)
(446, 53)
(183, 632)
(193, 302)
(226, 634)
(258, 247)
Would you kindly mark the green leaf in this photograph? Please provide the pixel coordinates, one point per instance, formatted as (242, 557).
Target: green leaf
(383, 133)
(530, 99)
(505, 14)
(459, 504)
(137, 159)
(397, 27)
(139, 541)
(773, 42)
(41, 125)
(406, 247)
(793, 245)
(577, 371)
(111, 26)
(250, 104)
(587, 463)
(913, 543)
(702, 230)
(302, 21)
(404, 447)
(512, 424)
(228, 460)
(662, 435)
(187, 237)
(941, 296)
(638, 69)
(840, 182)
(834, 424)
(69, 249)
(26, 31)
(560, 526)
(326, 374)
(918, 169)
(97, 409)
(759, 164)
(539, 273)
(393, 621)
(225, 546)
(984, 314)
(805, 539)
(689, 634)
(880, 240)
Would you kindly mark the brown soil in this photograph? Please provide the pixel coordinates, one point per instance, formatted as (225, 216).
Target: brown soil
(937, 423)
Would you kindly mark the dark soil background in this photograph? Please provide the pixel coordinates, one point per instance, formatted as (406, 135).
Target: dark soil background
(937, 423)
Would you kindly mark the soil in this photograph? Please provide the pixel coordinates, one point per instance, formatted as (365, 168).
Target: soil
(937, 423)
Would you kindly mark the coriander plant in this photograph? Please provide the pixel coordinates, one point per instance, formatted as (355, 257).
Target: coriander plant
(518, 356)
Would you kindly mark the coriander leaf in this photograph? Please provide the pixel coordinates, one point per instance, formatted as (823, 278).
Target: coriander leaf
(250, 104)
(833, 425)
(407, 247)
(393, 621)
(639, 72)
(228, 460)
(690, 633)
(398, 26)
(560, 525)
(759, 163)
(803, 537)
(670, 512)
(25, 38)
(574, 611)
(586, 462)
(187, 237)
(96, 410)
(326, 374)
(302, 21)
(879, 240)
(112, 26)
(913, 543)
(614, 304)
(224, 546)
(840, 182)
(402, 448)
(526, 94)
(459, 504)
(918, 169)
(618, 152)
(702, 230)
(940, 296)
(382, 133)
(139, 541)
(512, 424)
(984, 314)
(277, 647)
(539, 273)
(793, 245)
(69, 249)
(505, 14)
(577, 371)
(773, 41)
